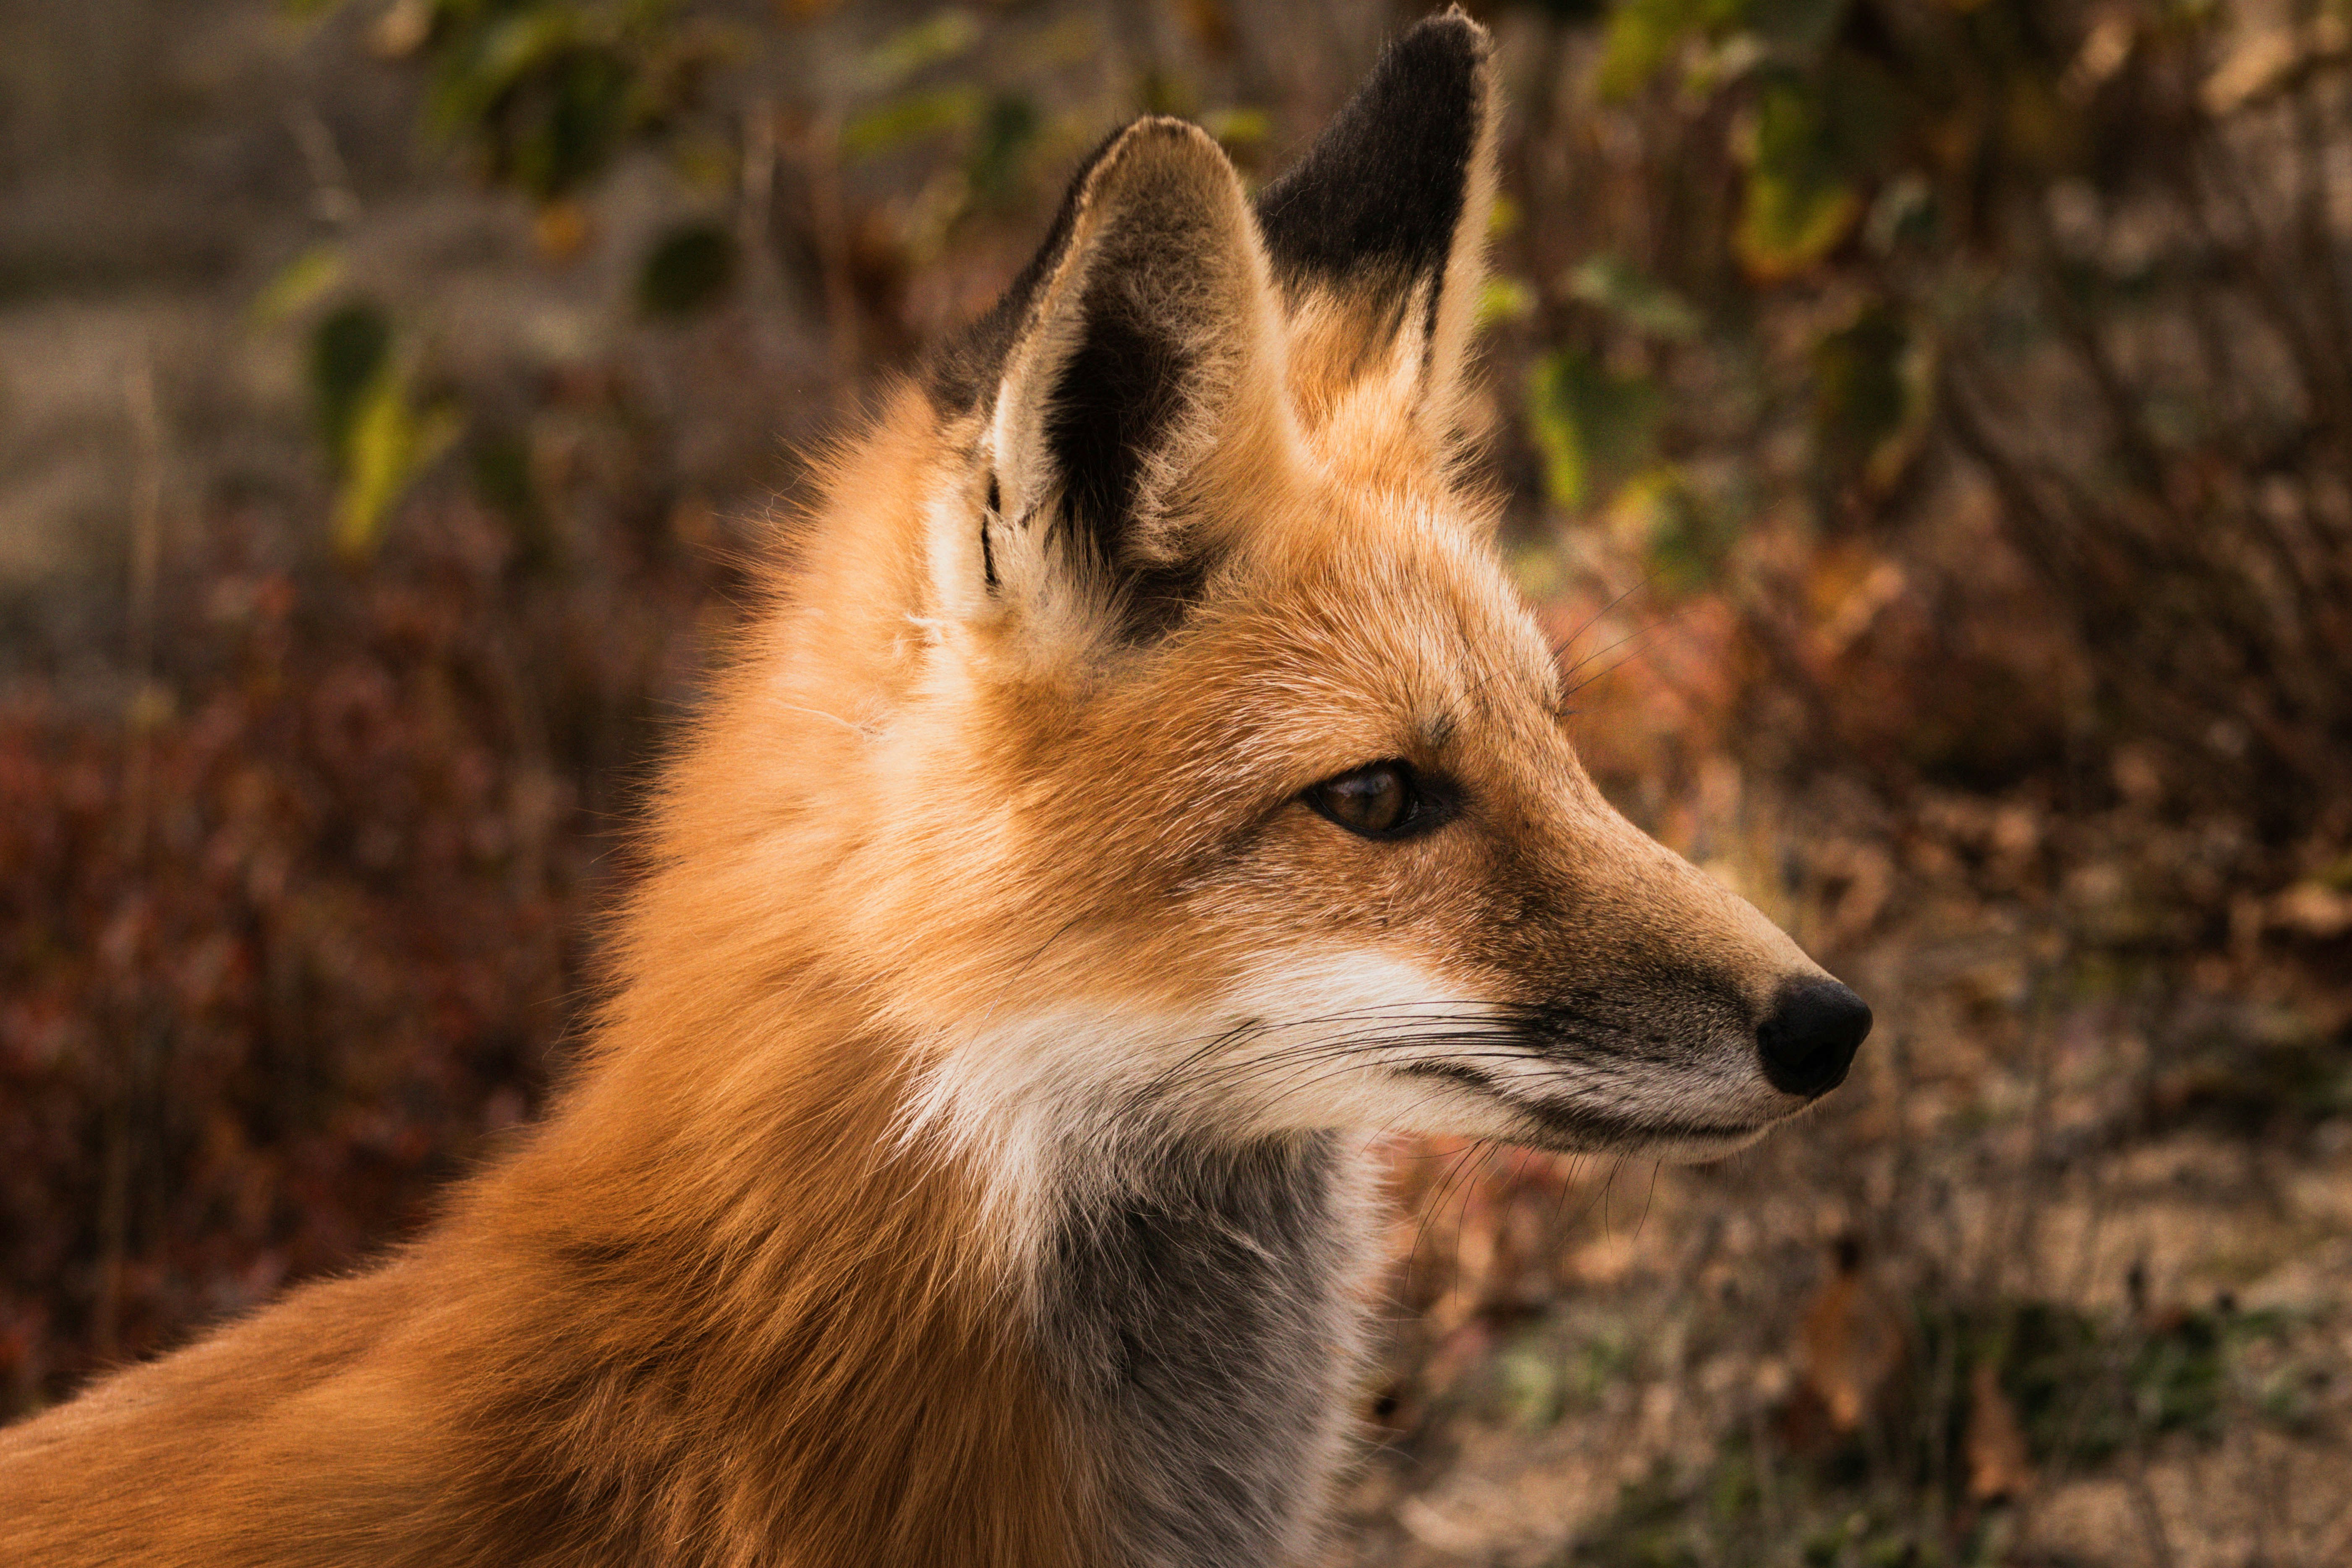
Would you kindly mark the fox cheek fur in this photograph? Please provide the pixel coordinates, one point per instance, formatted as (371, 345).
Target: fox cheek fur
(1143, 779)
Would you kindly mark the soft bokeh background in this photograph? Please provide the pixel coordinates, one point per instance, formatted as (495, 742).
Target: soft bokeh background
(1928, 421)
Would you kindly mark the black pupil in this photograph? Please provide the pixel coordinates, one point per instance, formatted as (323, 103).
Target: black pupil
(1374, 800)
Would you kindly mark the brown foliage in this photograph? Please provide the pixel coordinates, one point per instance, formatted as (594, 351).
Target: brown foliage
(279, 952)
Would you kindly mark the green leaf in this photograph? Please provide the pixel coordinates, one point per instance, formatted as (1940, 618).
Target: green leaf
(1007, 134)
(1681, 540)
(1526, 1383)
(350, 351)
(501, 470)
(936, 38)
(1503, 217)
(910, 118)
(550, 92)
(1799, 202)
(1502, 300)
(1872, 395)
(392, 441)
(1592, 424)
(1239, 127)
(689, 269)
(298, 285)
(1640, 301)
(1796, 29)
(1642, 36)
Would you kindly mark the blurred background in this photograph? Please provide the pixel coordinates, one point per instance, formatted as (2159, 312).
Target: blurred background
(1929, 422)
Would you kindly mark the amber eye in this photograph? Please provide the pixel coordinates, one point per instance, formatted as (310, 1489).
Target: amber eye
(1379, 800)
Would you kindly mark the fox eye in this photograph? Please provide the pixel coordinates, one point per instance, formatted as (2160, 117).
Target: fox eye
(1379, 800)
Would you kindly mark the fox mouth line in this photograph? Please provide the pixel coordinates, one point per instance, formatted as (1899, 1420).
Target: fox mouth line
(1570, 1128)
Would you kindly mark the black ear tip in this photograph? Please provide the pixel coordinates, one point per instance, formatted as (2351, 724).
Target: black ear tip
(1453, 26)
(1437, 69)
(1377, 198)
(1452, 42)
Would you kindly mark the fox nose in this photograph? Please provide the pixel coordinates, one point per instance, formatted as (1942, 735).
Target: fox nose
(1808, 1039)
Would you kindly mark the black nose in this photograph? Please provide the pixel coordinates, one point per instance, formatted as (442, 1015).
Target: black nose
(1810, 1038)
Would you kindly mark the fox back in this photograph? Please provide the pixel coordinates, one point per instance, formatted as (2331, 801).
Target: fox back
(1141, 780)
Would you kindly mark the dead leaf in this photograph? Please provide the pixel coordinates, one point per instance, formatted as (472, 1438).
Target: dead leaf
(561, 229)
(2313, 909)
(2271, 62)
(1999, 1465)
(1852, 1342)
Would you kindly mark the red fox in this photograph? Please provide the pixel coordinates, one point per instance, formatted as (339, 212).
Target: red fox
(1143, 779)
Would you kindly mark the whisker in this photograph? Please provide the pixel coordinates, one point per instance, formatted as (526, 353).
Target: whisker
(1433, 1204)
(1633, 636)
(1249, 1069)
(1573, 1178)
(1646, 1199)
(1337, 1062)
(1427, 1014)
(1469, 1191)
(1593, 619)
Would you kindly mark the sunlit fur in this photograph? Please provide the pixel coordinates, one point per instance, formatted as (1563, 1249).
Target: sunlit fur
(966, 1167)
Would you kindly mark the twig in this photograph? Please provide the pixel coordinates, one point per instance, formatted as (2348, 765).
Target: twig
(820, 158)
(146, 551)
(2152, 1520)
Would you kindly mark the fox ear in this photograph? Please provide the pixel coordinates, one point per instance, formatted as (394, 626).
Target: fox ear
(1378, 235)
(1140, 372)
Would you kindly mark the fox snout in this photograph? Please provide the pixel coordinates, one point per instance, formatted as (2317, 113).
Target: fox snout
(1656, 1009)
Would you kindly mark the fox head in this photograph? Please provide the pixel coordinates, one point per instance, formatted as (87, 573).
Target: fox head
(1152, 739)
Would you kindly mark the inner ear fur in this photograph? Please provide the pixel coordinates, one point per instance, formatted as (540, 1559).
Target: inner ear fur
(1141, 372)
(1376, 236)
